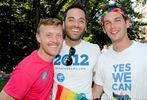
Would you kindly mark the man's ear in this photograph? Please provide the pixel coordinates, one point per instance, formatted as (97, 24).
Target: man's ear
(64, 32)
(38, 37)
(86, 29)
(63, 25)
(128, 21)
(104, 29)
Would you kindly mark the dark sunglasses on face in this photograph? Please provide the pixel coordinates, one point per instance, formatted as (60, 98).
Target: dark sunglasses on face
(68, 60)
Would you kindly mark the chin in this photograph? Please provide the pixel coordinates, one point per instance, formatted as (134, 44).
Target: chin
(54, 54)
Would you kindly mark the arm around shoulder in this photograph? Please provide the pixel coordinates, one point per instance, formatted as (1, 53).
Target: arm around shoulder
(5, 96)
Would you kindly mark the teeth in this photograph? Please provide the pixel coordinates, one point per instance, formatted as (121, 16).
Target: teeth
(54, 46)
(114, 32)
(75, 30)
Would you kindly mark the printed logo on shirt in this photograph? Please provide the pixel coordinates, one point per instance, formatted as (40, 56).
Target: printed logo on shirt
(44, 75)
(78, 60)
(120, 97)
(83, 95)
(121, 80)
(60, 77)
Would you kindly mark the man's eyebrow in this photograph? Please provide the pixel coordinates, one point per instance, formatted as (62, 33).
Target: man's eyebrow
(106, 20)
(82, 18)
(70, 17)
(114, 18)
(118, 17)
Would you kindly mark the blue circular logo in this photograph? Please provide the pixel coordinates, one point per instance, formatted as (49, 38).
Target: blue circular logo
(44, 75)
(60, 77)
(83, 95)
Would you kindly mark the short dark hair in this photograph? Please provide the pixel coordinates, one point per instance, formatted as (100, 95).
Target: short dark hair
(75, 6)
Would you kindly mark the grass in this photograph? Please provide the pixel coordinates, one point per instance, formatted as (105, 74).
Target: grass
(2, 83)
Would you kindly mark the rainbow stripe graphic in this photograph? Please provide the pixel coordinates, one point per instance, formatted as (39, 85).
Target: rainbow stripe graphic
(64, 93)
(120, 97)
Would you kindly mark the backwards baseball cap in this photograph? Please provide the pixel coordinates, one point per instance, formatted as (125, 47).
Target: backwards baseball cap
(109, 8)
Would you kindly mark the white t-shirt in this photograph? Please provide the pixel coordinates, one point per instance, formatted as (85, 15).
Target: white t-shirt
(123, 74)
(77, 78)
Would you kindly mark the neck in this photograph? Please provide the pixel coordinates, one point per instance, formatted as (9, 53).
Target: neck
(43, 55)
(120, 46)
(72, 43)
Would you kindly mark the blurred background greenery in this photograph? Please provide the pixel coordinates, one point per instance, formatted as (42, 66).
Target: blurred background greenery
(19, 18)
(2, 83)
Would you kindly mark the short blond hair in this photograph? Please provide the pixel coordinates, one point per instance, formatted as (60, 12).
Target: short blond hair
(48, 21)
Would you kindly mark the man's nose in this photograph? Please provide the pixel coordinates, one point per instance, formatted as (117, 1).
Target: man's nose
(76, 23)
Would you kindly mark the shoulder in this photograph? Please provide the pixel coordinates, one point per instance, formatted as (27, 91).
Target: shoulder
(29, 62)
(107, 53)
(90, 45)
(140, 45)
(32, 58)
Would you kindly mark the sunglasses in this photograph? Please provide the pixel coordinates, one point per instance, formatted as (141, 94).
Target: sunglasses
(68, 60)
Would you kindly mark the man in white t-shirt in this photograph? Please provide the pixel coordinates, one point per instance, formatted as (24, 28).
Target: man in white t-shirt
(122, 70)
(77, 61)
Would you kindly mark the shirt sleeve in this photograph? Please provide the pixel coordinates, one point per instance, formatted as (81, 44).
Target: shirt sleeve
(98, 55)
(98, 78)
(18, 84)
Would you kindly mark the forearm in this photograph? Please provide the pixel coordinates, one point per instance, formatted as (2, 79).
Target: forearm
(5, 96)
(97, 91)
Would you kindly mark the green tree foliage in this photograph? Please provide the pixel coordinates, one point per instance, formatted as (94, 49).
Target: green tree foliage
(16, 33)
(19, 19)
